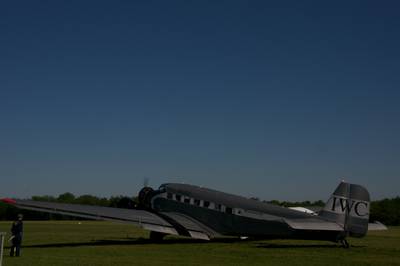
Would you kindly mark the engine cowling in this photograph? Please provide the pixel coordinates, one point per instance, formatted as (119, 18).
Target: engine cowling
(144, 197)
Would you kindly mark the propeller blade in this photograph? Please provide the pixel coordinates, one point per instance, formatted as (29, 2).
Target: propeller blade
(145, 182)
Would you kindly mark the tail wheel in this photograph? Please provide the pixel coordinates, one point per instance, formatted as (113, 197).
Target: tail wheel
(344, 243)
(157, 236)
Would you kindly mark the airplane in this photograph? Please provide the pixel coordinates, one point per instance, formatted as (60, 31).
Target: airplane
(202, 213)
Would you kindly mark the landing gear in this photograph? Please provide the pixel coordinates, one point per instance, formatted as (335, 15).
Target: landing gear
(344, 243)
(157, 236)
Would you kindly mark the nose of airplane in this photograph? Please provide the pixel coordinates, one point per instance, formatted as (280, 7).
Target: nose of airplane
(145, 196)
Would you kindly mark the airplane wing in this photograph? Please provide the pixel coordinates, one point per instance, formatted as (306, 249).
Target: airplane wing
(163, 223)
(313, 224)
(141, 218)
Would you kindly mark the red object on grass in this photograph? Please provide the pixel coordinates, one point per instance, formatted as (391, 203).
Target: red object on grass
(8, 201)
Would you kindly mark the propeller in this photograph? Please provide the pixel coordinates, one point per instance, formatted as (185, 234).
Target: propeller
(145, 182)
(145, 194)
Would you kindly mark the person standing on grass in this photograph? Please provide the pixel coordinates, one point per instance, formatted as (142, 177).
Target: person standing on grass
(17, 229)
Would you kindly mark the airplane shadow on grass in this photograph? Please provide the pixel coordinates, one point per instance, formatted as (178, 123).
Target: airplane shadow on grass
(145, 241)
(272, 246)
(116, 242)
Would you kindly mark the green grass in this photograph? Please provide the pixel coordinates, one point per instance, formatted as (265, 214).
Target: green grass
(102, 243)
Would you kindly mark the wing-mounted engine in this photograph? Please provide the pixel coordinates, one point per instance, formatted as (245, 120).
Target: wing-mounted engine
(144, 197)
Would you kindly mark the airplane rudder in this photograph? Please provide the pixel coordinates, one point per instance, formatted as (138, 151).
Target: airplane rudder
(349, 207)
(358, 216)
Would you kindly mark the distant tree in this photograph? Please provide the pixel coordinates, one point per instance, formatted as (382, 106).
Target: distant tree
(319, 203)
(386, 211)
(113, 201)
(126, 202)
(44, 198)
(91, 200)
(275, 202)
(66, 198)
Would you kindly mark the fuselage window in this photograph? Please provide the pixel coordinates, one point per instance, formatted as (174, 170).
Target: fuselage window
(169, 195)
(178, 197)
(206, 204)
(197, 202)
(187, 200)
(218, 207)
(228, 210)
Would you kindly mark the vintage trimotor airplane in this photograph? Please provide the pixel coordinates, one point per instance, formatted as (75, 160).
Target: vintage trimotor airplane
(201, 213)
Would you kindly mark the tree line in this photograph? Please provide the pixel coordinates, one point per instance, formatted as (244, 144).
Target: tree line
(9, 212)
(386, 211)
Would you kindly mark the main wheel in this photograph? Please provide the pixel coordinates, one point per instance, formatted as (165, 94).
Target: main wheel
(156, 236)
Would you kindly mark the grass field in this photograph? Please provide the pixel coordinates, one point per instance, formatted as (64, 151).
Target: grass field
(102, 243)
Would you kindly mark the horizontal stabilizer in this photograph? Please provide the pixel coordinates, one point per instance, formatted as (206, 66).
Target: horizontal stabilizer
(376, 226)
(308, 224)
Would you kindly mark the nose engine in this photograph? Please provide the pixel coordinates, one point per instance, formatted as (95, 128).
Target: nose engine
(144, 198)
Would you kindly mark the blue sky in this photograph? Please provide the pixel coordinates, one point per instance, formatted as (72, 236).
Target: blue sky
(273, 100)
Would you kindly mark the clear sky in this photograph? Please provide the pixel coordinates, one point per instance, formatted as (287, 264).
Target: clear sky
(277, 100)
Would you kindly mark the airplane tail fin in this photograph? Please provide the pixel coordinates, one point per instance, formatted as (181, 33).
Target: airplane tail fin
(349, 207)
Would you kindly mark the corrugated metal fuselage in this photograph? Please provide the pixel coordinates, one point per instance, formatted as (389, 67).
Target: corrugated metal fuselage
(245, 218)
